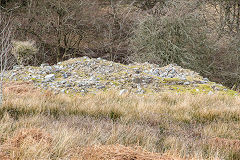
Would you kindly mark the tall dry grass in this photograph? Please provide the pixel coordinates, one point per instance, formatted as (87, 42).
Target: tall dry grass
(61, 126)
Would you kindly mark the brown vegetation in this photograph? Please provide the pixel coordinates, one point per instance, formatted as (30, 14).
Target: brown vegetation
(28, 143)
(19, 87)
(43, 125)
(119, 152)
(227, 144)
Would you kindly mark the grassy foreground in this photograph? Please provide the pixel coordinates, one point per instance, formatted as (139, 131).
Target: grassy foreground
(40, 125)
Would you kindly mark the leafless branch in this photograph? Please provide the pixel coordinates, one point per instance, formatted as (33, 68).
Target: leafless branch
(5, 47)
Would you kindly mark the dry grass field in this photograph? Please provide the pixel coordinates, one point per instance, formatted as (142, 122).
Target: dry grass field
(36, 124)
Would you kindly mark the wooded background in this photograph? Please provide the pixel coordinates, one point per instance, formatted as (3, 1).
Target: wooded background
(200, 35)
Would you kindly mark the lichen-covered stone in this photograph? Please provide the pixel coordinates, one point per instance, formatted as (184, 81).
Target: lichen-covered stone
(49, 78)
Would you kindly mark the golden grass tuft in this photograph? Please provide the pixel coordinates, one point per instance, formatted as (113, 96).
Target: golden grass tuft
(27, 143)
(223, 143)
(120, 152)
(19, 88)
(31, 135)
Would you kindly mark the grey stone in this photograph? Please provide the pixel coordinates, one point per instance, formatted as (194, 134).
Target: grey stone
(82, 83)
(172, 72)
(170, 76)
(163, 75)
(44, 65)
(155, 72)
(93, 78)
(63, 91)
(206, 79)
(49, 77)
(137, 71)
(123, 91)
(66, 74)
(183, 78)
(12, 75)
(210, 93)
(100, 87)
(17, 67)
(137, 80)
(216, 87)
(68, 85)
(195, 85)
(186, 83)
(203, 82)
(63, 82)
(140, 91)
(48, 69)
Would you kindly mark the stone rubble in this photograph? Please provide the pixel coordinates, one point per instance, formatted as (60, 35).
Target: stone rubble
(83, 75)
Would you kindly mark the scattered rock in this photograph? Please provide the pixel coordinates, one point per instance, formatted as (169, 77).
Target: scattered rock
(89, 75)
(203, 82)
(68, 85)
(63, 82)
(123, 91)
(140, 91)
(17, 67)
(206, 79)
(210, 93)
(44, 65)
(49, 77)
(100, 87)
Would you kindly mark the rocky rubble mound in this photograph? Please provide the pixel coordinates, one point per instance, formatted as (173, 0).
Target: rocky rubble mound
(85, 75)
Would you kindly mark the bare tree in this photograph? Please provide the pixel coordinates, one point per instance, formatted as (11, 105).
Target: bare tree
(5, 47)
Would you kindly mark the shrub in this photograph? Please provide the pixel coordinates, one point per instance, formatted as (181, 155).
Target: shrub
(24, 51)
(178, 36)
(147, 4)
(226, 64)
(189, 33)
